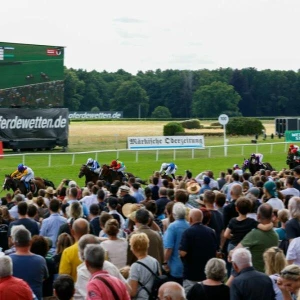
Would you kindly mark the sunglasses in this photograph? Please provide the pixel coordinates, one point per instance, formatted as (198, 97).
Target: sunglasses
(289, 273)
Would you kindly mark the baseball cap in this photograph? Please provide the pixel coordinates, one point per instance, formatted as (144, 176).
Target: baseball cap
(254, 191)
(72, 183)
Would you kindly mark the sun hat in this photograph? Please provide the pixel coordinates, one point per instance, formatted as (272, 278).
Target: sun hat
(124, 188)
(270, 186)
(193, 188)
(49, 190)
(129, 208)
(72, 183)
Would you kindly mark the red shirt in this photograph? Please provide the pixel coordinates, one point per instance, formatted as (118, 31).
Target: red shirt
(14, 288)
(98, 290)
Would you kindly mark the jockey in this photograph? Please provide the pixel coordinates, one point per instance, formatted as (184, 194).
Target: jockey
(168, 169)
(24, 174)
(237, 169)
(118, 166)
(293, 149)
(93, 165)
(258, 157)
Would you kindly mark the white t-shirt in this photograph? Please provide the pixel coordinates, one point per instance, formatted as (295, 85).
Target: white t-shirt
(276, 203)
(290, 191)
(293, 252)
(116, 251)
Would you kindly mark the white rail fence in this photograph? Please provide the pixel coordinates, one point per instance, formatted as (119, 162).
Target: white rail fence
(209, 151)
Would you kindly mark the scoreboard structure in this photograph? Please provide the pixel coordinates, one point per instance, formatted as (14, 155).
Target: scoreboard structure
(31, 76)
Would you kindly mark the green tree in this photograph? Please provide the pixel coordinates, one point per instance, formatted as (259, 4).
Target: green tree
(129, 98)
(161, 112)
(211, 100)
(95, 109)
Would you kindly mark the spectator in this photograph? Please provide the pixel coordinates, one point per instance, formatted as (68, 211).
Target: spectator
(3, 231)
(142, 221)
(155, 188)
(137, 193)
(235, 181)
(148, 196)
(271, 195)
(193, 190)
(50, 226)
(292, 226)
(64, 287)
(172, 238)
(101, 203)
(212, 288)
(169, 216)
(91, 199)
(274, 260)
(125, 196)
(290, 190)
(161, 202)
(249, 284)
(70, 259)
(30, 267)
(220, 201)
(192, 252)
(102, 285)
(289, 281)
(13, 211)
(94, 218)
(140, 278)
(83, 274)
(283, 217)
(221, 180)
(113, 204)
(296, 173)
(171, 291)
(43, 211)
(12, 287)
(116, 248)
(205, 186)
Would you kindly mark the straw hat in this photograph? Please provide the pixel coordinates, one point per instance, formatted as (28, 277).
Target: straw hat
(129, 208)
(50, 190)
(193, 188)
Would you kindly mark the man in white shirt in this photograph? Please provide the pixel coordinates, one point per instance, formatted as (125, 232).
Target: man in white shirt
(290, 190)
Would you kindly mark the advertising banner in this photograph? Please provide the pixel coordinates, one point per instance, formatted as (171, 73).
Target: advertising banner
(18, 124)
(96, 115)
(292, 136)
(166, 142)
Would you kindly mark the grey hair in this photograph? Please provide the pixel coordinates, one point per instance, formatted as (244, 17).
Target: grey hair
(172, 290)
(294, 207)
(215, 269)
(94, 256)
(85, 240)
(5, 266)
(14, 230)
(179, 211)
(22, 237)
(242, 258)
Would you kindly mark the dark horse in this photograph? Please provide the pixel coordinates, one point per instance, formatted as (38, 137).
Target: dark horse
(254, 166)
(293, 160)
(109, 175)
(35, 185)
(89, 175)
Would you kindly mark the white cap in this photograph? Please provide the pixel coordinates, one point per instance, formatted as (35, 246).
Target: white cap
(72, 183)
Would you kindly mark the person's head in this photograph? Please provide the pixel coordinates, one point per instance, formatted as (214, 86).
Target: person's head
(220, 199)
(112, 227)
(76, 210)
(155, 180)
(64, 241)
(274, 260)
(139, 243)
(294, 207)
(171, 291)
(94, 257)
(206, 215)
(80, 227)
(179, 211)
(243, 205)
(215, 269)
(64, 287)
(168, 211)
(21, 238)
(181, 196)
(283, 215)
(104, 217)
(72, 193)
(32, 210)
(235, 176)
(5, 266)
(163, 191)
(236, 191)
(94, 209)
(195, 216)
(40, 201)
(100, 195)
(209, 197)
(241, 259)
(289, 181)
(151, 206)
(39, 245)
(85, 240)
(142, 216)
(265, 213)
(246, 176)
(112, 203)
(22, 208)
(270, 189)
(290, 277)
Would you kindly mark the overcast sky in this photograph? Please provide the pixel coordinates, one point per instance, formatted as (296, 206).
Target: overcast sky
(150, 34)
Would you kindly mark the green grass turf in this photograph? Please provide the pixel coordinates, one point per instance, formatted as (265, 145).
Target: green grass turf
(67, 165)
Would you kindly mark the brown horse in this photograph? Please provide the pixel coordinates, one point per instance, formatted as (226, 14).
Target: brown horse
(89, 175)
(110, 175)
(35, 185)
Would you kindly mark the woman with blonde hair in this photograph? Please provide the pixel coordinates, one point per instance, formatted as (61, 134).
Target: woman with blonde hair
(140, 277)
(274, 260)
(289, 282)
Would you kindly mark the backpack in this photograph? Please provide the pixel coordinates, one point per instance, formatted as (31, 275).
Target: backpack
(159, 280)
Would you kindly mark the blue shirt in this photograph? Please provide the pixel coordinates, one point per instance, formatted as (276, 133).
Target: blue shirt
(50, 227)
(172, 238)
(84, 207)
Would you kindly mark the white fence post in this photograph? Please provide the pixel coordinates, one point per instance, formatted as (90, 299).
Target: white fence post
(256, 148)
(73, 159)
(209, 151)
(157, 155)
(136, 156)
(193, 153)
(174, 154)
(49, 161)
(271, 149)
(242, 150)
(23, 159)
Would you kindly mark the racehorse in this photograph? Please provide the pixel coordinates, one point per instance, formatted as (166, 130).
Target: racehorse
(89, 175)
(293, 160)
(110, 175)
(35, 185)
(254, 166)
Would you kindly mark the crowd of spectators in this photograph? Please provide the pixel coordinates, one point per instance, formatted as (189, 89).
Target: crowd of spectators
(232, 237)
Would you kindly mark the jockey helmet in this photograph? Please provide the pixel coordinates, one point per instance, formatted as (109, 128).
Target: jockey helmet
(164, 165)
(235, 166)
(291, 145)
(294, 151)
(114, 163)
(21, 167)
(253, 155)
(89, 161)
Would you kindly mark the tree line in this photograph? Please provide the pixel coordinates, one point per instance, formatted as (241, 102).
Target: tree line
(185, 94)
